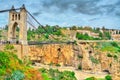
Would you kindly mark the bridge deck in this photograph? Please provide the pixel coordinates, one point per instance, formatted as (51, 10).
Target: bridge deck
(98, 41)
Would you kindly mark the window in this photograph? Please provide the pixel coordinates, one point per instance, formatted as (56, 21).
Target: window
(18, 16)
(12, 17)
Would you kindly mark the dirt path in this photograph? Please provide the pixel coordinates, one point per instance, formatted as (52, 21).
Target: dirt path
(80, 75)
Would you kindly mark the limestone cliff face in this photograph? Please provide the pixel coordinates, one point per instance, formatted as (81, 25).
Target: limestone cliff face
(52, 53)
(69, 54)
(94, 59)
(84, 55)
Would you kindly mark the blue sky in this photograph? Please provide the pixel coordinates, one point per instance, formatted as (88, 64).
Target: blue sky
(95, 13)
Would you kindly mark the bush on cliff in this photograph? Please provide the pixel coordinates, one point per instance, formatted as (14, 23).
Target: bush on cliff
(54, 74)
(91, 78)
(108, 77)
(12, 68)
(85, 37)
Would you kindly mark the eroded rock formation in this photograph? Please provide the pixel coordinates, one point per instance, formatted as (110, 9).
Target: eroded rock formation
(52, 54)
(85, 56)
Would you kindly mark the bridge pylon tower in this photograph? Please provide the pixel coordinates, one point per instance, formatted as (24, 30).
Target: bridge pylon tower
(17, 19)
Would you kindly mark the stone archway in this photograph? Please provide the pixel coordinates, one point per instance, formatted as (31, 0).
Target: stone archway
(15, 32)
(17, 18)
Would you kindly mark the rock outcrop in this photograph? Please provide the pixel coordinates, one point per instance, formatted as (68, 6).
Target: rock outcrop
(52, 54)
(85, 56)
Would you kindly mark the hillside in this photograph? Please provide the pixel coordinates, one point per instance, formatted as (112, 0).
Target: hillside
(12, 68)
(62, 34)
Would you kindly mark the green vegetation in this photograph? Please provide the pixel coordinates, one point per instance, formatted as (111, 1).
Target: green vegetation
(108, 77)
(109, 55)
(94, 60)
(112, 47)
(12, 68)
(80, 56)
(85, 37)
(58, 65)
(16, 75)
(43, 34)
(54, 74)
(107, 35)
(91, 78)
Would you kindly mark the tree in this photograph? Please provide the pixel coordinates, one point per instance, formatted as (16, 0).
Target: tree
(107, 34)
(6, 27)
(87, 28)
(73, 28)
(103, 28)
(100, 34)
(98, 29)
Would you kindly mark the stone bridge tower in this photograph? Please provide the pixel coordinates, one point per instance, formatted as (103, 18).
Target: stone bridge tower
(17, 19)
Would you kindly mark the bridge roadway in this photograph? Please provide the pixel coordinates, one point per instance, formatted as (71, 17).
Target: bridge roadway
(49, 42)
(79, 41)
(69, 42)
(59, 42)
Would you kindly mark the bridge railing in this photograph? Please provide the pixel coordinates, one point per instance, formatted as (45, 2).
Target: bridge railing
(48, 42)
(2, 42)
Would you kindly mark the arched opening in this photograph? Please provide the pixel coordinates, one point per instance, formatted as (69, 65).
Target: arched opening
(15, 33)
(18, 16)
(13, 17)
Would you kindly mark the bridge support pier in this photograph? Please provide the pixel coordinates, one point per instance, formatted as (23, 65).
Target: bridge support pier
(18, 20)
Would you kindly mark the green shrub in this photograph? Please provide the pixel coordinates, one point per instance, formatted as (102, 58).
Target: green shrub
(68, 75)
(2, 71)
(16, 75)
(94, 60)
(109, 55)
(54, 74)
(108, 77)
(4, 60)
(9, 47)
(80, 56)
(115, 57)
(58, 65)
(91, 78)
(114, 44)
(75, 42)
(43, 70)
(45, 76)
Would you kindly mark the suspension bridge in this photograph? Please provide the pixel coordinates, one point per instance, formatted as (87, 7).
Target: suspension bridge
(22, 17)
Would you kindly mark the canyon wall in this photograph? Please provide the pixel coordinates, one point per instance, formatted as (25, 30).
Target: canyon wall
(83, 55)
(52, 53)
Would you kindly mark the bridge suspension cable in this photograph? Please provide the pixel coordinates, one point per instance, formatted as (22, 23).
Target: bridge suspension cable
(1, 11)
(39, 23)
(31, 25)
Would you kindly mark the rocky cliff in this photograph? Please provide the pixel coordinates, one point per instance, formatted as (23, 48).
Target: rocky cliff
(95, 56)
(61, 54)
